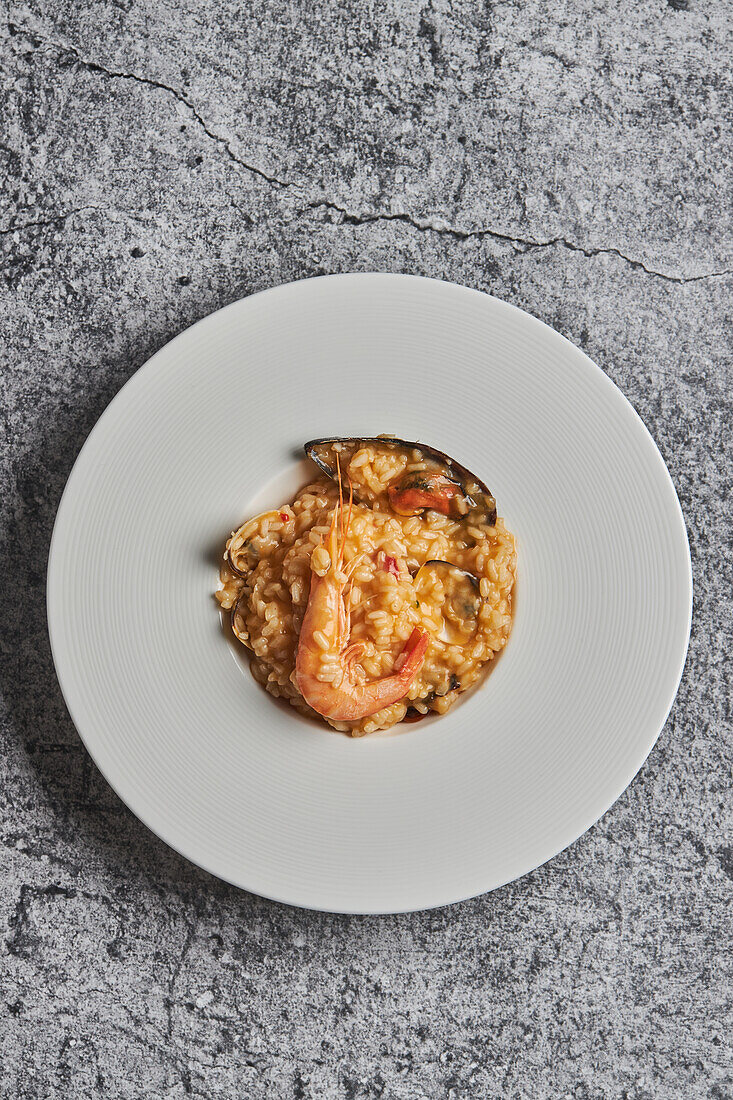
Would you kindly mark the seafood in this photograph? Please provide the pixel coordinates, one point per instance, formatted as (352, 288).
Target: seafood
(246, 545)
(384, 610)
(420, 708)
(461, 598)
(425, 478)
(327, 668)
(237, 620)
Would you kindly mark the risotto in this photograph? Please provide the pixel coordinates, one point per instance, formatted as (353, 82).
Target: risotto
(380, 592)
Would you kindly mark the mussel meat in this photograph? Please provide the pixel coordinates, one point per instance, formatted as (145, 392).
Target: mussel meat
(415, 714)
(244, 549)
(427, 478)
(461, 597)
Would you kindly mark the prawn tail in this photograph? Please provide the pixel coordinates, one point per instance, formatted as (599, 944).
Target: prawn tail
(350, 658)
(413, 654)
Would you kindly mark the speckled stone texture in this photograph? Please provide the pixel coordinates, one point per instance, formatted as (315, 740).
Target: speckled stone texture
(162, 159)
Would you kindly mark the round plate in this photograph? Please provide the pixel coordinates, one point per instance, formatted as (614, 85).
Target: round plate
(207, 432)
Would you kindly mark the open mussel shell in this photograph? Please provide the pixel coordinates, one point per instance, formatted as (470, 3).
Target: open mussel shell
(242, 552)
(236, 619)
(471, 500)
(235, 562)
(462, 598)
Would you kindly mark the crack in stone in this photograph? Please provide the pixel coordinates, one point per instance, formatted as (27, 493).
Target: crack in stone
(150, 82)
(57, 219)
(64, 215)
(521, 244)
(638, 264)
(96, 68)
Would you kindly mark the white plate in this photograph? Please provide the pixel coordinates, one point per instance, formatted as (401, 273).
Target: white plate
(206, 433)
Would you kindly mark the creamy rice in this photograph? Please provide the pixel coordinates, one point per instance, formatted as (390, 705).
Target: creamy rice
(277, 551)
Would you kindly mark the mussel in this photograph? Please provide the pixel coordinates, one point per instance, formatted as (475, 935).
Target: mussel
(428, 478)
(237, 621)
(414, 714)
(244, 550)
(461, 597)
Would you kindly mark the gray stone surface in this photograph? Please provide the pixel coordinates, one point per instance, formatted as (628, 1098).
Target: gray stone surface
(161, 159)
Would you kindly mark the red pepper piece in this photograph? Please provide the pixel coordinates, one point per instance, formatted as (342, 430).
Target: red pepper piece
(390, 565)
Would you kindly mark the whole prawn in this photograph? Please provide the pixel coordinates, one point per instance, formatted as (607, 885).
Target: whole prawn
(344, 696)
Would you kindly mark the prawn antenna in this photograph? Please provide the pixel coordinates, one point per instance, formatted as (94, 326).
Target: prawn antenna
(341, 512)
(351, 502)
